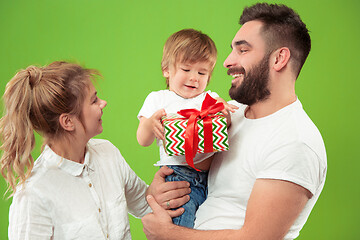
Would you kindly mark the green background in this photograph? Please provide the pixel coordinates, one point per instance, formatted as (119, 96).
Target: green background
(124, 40)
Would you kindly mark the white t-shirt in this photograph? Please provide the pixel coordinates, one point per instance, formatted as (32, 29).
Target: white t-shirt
(285, 145)
(172, 103)
(66, 200)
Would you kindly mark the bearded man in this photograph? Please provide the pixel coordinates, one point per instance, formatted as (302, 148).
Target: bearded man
(266, 185)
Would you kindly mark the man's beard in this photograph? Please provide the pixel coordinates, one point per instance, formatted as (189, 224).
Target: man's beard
(254, 87)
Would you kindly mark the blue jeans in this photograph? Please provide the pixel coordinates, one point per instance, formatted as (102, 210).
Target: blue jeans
(198, 185)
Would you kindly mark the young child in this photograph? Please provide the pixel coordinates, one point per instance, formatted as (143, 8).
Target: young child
(79, 187)
(189, 57)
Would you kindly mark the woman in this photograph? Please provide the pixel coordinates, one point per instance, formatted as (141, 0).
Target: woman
(79, 187)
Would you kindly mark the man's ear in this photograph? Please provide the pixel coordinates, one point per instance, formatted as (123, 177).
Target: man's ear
(67, 122)
(282, 57)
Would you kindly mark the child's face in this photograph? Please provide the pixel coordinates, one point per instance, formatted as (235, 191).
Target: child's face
(188, 80)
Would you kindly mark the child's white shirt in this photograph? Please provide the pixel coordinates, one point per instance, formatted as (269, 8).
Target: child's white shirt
(172, 103)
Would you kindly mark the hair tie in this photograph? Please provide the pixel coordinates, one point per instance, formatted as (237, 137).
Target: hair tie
(35, 75)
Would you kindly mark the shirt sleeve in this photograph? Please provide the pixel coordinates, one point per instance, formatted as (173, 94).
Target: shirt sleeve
(150, 106)
(29, 217)
(294, 162)
(135, 189)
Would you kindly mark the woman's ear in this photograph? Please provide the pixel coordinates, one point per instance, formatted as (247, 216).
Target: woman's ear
(67, 122)
(282, 57)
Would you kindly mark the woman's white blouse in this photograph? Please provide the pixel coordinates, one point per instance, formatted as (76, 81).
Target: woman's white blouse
(63, 199)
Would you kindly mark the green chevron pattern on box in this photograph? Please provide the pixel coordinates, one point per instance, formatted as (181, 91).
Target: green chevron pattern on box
(175, 126)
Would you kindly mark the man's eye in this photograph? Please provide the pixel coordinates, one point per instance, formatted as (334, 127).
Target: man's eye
(243, 51)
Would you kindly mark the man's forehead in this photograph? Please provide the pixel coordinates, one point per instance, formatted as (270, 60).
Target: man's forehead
(248, 32)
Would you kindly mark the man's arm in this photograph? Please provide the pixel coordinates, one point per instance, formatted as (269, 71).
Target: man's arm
(272, 208)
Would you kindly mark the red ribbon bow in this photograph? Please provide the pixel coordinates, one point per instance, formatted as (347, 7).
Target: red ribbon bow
(209, 106)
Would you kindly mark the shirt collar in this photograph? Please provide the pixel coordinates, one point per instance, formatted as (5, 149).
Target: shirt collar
(87, 160)
(71, 167)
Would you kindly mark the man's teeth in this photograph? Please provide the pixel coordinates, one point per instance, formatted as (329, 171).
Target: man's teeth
(237, 75)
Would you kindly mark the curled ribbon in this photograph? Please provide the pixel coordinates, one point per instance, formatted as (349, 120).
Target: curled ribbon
(209, 106)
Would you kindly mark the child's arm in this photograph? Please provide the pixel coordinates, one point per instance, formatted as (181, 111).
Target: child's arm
(226, 111)
(149, 128)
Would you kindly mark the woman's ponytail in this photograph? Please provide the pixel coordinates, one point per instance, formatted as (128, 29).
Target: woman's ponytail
(16, 129)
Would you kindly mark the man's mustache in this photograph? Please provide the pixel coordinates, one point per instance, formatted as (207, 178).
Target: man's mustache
(234, 70)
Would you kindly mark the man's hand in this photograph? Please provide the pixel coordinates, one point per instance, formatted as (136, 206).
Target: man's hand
(156, 223)
(169, 194)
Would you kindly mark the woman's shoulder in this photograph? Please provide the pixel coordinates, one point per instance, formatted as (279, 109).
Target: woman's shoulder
(36, 184)
(98, 141)
(105, 154)
(102, 145)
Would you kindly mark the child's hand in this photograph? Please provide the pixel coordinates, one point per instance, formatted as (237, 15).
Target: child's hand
(227, 109)
(156, 126)
(149, 128)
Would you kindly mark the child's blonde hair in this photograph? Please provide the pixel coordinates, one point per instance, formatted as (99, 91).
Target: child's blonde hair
(188, 45)
(34, 99)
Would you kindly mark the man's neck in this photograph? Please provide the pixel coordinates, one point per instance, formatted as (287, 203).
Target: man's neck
(269, 106)
(282, 93)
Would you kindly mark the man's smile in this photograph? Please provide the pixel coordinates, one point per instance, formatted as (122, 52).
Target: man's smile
(236, 73)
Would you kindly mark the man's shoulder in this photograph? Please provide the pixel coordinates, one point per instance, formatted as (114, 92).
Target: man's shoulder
(298, 130)
(304, 126)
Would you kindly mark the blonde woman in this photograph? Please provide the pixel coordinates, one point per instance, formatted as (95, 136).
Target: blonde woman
(79, 187)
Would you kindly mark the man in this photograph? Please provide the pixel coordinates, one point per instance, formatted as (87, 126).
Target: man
(266, 185)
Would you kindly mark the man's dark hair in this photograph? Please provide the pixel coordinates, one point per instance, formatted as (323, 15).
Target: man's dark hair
(282, 28)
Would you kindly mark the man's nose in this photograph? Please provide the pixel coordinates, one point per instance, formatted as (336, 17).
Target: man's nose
(229, 61)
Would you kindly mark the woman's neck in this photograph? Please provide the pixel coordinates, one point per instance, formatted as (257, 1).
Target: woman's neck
(69, 148)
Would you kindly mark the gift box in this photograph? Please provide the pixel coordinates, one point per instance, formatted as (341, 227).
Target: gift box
(191, 131)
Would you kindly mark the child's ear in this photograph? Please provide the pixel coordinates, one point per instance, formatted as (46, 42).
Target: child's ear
(166, 73)
(66, 122)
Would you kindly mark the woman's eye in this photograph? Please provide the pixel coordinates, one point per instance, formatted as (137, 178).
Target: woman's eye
(95, 100)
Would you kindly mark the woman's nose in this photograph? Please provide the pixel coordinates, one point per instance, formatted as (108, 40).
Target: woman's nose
(103, 103)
